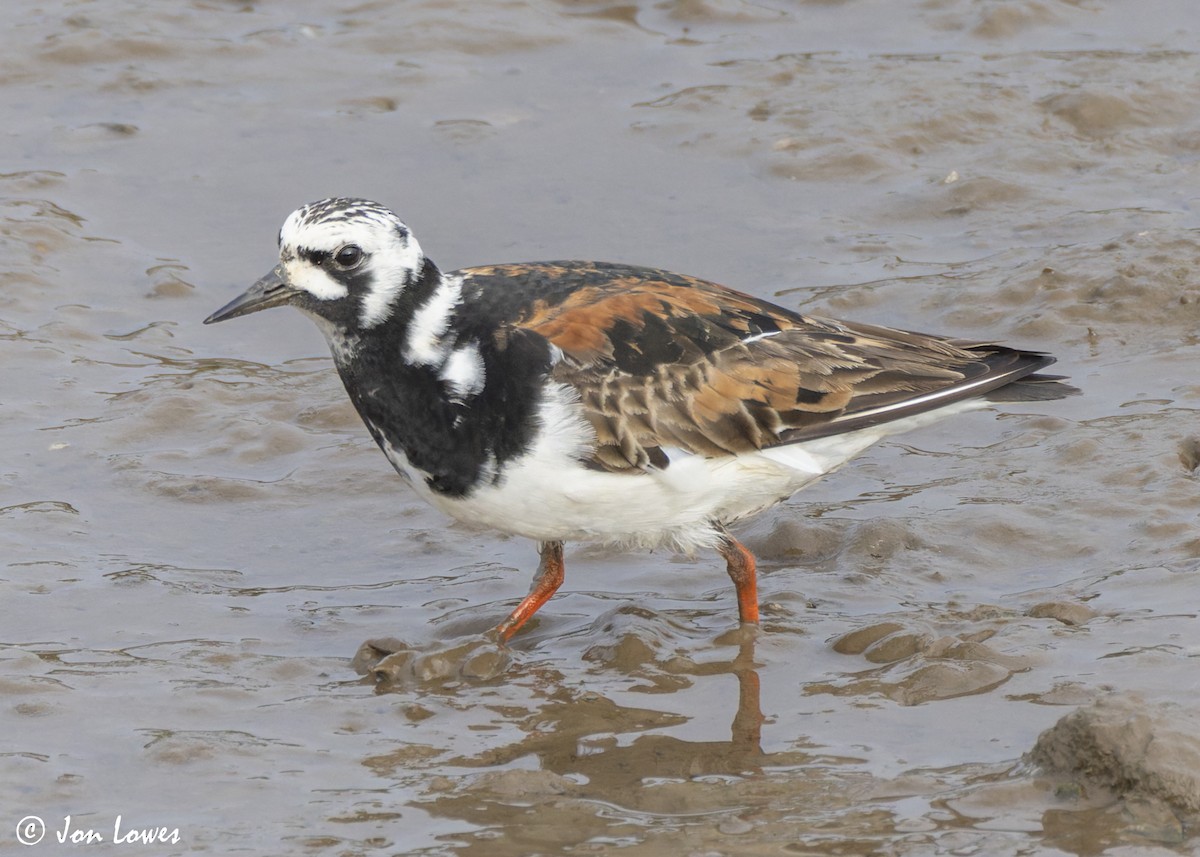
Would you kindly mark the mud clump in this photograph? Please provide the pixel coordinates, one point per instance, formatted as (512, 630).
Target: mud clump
(1137, 750)
(1067, 612)
(395, 665)
(917, 665)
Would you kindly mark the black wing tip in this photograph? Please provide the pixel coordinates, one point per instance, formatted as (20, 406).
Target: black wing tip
(1027, 384)
(1011, 376)
(1035, 388)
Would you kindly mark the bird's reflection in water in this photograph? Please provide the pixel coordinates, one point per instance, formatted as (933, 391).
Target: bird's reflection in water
(577, 734)
(580, 734)
(587, 767)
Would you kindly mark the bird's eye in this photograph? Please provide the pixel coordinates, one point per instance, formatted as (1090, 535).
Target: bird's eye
(348, 257)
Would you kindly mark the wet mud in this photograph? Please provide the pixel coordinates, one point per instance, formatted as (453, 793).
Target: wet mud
(978, 638)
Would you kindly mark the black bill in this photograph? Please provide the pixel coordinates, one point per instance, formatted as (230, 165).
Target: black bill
(271, 290)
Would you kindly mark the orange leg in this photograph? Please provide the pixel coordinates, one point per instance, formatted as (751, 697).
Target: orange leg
(549, 577)
(741, 567)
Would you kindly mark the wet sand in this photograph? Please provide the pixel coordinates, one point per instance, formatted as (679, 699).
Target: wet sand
(199, 535)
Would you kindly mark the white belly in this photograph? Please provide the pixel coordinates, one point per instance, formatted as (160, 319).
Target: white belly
(548, 495)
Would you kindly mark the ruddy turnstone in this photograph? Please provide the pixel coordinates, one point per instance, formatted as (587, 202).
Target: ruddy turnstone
(587, 401)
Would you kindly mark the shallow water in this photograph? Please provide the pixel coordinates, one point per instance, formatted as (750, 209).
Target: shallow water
(199, 534)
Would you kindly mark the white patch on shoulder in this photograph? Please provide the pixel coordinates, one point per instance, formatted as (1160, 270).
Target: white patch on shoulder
(431, 321)
(463, 372)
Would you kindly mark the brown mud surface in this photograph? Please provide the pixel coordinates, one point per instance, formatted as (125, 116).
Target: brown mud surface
(198, 534)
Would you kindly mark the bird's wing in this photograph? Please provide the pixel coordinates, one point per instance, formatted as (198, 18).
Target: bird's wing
(666, 361)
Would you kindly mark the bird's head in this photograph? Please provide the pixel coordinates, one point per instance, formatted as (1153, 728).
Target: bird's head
(346, 262)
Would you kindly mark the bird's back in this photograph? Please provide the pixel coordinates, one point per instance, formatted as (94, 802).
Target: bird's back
(662, 360)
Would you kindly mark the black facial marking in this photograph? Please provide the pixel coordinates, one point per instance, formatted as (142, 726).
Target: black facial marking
(313, 257)
(343, 313)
